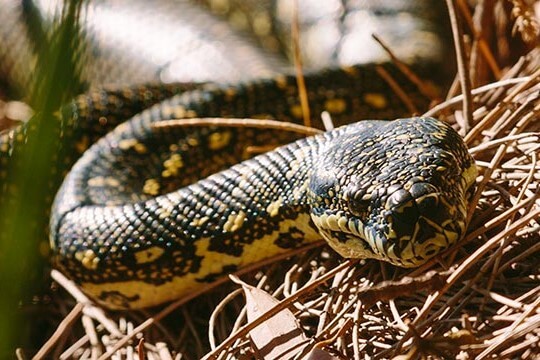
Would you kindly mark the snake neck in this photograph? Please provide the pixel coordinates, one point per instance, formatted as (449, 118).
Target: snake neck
(263, 200)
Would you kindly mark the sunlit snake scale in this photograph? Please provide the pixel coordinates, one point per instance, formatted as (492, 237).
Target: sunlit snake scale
(135, 226)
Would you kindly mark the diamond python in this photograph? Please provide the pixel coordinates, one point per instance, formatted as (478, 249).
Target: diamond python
(147, 214)
(393, 191)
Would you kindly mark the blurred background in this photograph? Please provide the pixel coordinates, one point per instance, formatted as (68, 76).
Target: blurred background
(51, 51)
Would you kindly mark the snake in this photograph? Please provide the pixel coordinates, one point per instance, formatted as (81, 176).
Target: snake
(148, 214)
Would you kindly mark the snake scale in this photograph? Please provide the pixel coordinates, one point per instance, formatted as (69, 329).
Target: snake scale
(148, 214)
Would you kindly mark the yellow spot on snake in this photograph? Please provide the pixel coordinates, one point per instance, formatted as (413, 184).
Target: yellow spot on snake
(148, 255)
(262, 116)
(377, 101)
(128, 93)
(88, 259)
(192, 141)
(151, 187)
(234, 221)
(172, 165)
(300, 190)
(452, 236)
(469, 175)
(273, 208)
(179, 112)
(262, 25)
(219, 140)
(239, 19)
(163, 213)
(230, 93)
(199, 221)
(335, 106)
(140, 148)
(191, 114)
(166, 111)
(403, 137)
(332, 222)
(127, 144)
(220, 7)
(213, 262)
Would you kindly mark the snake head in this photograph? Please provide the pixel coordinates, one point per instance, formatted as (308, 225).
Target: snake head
(394, 191)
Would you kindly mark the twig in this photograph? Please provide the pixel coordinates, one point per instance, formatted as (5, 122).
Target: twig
(68, 353)
(480, 90)
(215, 312)
(302, 91)
(479, 127)
(276, 309)
(462, 64)
(327, 121)
(237, 122)
(425, 89)
(19, 353)
(495, 143)
(389, 290)
(465, 265)
(397, 89)
(62, 328)
(482, 45)
(89, 309)
(88, 325)
(532, 308)
(140, 349)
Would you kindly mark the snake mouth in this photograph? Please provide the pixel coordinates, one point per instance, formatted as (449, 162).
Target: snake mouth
(350, 238)
(409, 229)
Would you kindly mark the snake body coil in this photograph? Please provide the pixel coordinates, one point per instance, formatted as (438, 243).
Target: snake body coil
(394, 191)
